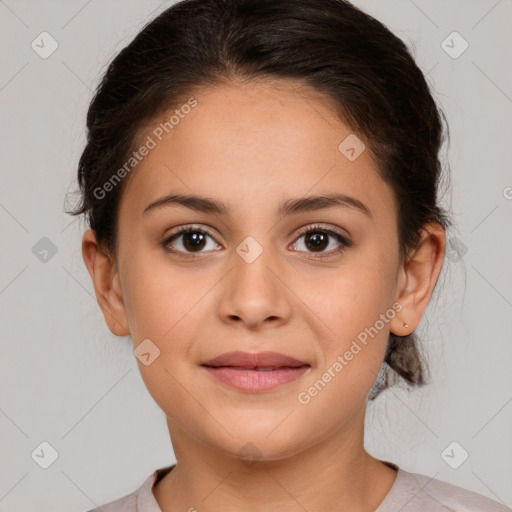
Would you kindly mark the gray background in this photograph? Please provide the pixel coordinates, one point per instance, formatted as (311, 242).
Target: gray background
(65, 379)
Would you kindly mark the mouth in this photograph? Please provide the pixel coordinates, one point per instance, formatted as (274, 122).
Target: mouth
(264, 360)
(255, 372)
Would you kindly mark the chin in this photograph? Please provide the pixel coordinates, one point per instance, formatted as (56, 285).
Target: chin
(255, 445)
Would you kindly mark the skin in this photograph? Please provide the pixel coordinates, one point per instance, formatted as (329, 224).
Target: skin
(252, 145)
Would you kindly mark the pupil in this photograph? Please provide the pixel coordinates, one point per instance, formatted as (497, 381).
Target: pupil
(316, 241)
(193, 240)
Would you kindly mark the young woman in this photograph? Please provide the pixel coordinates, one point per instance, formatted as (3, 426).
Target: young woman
(261, 185)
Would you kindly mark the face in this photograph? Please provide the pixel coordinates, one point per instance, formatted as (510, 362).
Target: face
(307, 282)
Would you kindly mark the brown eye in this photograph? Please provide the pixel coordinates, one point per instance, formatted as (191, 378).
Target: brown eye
(193, 241)
(316, 241)
(189, 240)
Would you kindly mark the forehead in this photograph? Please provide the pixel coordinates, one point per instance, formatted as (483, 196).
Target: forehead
(257, 142)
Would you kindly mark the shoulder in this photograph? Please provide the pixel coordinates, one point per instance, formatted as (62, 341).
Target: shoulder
(125, 504)
(413, 492)
(141, 500)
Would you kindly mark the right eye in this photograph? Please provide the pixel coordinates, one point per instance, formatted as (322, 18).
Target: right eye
(188, 240)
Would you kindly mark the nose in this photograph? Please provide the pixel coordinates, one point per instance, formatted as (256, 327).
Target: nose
(255, 295)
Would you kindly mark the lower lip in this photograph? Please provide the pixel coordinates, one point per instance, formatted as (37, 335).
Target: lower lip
(256, 380)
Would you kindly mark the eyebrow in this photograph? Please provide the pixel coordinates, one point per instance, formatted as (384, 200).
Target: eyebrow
(288, 207)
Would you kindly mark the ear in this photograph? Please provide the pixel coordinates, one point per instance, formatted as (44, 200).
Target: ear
(417, 279)
(105, 277)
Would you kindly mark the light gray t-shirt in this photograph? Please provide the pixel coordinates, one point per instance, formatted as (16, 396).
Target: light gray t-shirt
(411, 492)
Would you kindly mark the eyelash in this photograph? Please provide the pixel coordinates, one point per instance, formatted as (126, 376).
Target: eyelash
(343, 240)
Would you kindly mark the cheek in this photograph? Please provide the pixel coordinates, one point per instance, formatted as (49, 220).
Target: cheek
(352, 298)
(163, 306)
(353, 350)
(159, 296)
(353, 314)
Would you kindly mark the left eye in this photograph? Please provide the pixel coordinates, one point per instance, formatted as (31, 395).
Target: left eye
(317, 240)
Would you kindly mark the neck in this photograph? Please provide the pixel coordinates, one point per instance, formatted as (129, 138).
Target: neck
(335, 473)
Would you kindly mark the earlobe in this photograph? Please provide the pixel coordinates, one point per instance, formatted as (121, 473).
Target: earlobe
(418, 278)
(104, 275)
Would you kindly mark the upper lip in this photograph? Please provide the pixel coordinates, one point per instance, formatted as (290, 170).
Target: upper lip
(254, 360)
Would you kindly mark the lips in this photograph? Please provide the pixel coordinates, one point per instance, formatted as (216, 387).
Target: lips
(260, 361)
(255, 372)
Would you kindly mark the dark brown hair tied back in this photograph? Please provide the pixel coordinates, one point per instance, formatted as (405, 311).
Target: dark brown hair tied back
(351, 59)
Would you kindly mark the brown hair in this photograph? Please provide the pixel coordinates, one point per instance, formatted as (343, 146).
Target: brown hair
(347, 56)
